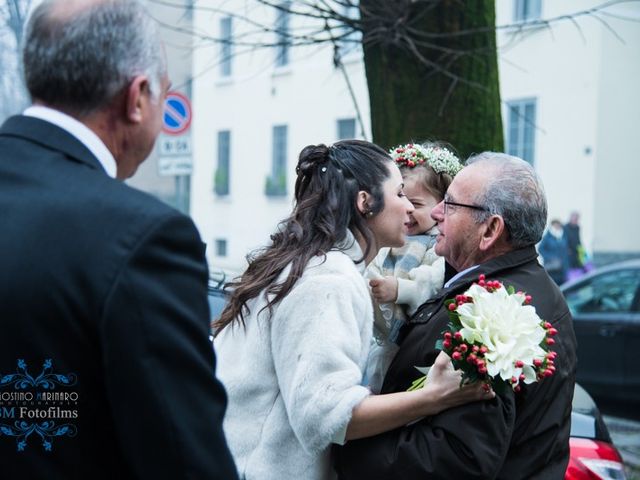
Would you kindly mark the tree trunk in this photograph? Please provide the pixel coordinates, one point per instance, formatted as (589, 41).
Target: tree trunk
(415, 100)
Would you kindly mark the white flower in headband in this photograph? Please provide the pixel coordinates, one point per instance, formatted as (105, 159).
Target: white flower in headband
(439, 158)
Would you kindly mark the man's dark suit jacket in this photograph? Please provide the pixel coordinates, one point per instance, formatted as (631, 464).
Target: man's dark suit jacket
(514, 436)
(108, 286)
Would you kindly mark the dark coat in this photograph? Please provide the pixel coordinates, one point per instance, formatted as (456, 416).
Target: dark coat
(555, 253)
(514, 436)
(110, 286)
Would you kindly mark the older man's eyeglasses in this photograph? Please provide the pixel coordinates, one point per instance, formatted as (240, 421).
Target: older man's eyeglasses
(449, 203)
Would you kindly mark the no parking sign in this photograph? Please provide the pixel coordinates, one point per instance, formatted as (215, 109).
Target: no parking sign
(177, 114)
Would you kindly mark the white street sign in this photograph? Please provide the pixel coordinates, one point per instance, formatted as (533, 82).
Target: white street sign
(174, 166)
(174, 146)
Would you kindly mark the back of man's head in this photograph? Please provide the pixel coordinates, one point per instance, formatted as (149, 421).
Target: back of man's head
(515, 192)
(79, 55)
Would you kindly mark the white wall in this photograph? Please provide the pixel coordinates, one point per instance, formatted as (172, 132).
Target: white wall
(585, 80)
(617, 186)
(308, 96)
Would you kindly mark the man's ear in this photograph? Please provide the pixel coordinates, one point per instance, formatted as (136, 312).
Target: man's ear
(494, 233)
(363, 202)
(138, 94)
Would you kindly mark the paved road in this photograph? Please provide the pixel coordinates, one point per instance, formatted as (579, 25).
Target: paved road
(626, 437)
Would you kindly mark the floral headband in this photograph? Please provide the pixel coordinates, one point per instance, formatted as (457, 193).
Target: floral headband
(438, 158)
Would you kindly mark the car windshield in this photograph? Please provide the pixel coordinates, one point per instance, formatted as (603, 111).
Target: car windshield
(609, 292)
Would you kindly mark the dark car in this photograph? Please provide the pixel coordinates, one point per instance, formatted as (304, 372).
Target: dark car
(217, 296)
(605, 305)
(593, 455)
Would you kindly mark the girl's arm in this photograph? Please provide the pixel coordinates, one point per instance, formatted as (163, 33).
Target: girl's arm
(422, 282)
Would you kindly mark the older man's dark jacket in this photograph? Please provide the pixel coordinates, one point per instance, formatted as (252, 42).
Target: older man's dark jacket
(514, 436)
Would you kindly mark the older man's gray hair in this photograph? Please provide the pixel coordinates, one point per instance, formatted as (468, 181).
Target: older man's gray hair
(78, 57)
(515, 192)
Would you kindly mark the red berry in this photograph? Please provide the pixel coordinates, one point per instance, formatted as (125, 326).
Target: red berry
(483, 350)
(481, 277)
(463, 347)
(457, 336)
(550, 341)
(547, 373)
(537, 362)
(522, 377)
(447, 335)
(452, 307)
(514, 380)
(519, 364)
(552, 331)
(446, 344)
(482, 370)
(471, 358)
(527, 299)
(456, 355)
(517, 388)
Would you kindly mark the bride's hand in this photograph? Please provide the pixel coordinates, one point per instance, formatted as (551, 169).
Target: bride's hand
(444, 382)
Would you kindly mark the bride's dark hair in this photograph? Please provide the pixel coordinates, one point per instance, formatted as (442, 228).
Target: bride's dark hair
(326, 191)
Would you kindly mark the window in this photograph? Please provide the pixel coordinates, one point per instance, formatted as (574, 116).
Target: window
(521, 124)
(282, 32)
(527, 10)
(276, 184)
(221, 247)
(226, 52)
(609, 292)
(221, 181)
(346, 128)
(349, 40)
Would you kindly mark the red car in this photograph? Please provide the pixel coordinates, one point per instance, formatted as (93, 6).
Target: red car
(593, 455)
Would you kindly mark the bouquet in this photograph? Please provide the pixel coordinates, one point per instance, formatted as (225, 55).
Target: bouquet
(496, 337)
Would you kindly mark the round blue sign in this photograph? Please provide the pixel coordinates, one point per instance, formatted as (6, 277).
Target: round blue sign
(177, 114)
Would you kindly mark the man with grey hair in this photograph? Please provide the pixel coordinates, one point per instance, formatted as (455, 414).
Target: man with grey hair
(106, 367)
(492, 216)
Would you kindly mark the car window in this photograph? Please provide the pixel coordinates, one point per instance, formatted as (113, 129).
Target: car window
(217, 301)
(609, 292)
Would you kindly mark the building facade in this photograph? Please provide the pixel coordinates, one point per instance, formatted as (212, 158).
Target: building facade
(571, 107)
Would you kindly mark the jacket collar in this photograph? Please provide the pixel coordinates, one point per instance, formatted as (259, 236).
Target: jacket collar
(513, 259)
(49, 136)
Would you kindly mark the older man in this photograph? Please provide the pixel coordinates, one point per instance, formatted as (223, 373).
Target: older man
(106, 368)
(489, 221)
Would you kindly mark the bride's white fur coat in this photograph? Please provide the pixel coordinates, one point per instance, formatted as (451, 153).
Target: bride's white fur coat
(294, 379)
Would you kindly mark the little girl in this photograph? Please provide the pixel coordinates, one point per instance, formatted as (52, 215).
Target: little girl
(402, 278)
